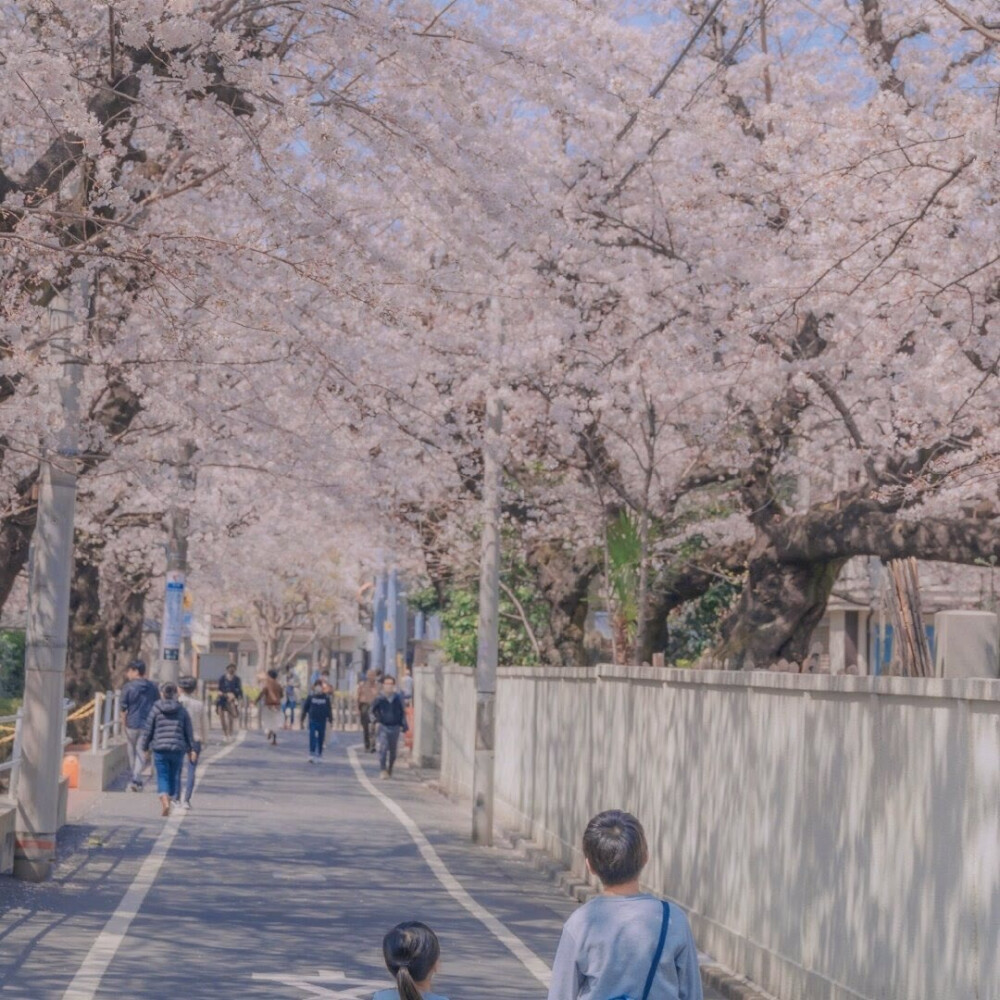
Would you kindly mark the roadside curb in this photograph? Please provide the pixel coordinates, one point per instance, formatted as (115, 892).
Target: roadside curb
(713, 974)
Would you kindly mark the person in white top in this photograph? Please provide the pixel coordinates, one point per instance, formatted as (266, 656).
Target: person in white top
(199, 722)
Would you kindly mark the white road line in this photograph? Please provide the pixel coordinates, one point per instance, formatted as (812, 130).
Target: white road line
(88, 978)
(452, 886)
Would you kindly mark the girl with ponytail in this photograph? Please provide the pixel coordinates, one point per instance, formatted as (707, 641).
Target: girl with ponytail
(411, 953)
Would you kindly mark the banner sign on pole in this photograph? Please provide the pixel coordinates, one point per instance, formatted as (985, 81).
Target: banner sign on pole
(173, 615)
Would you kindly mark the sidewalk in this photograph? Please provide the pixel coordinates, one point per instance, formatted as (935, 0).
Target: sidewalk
(279, 883)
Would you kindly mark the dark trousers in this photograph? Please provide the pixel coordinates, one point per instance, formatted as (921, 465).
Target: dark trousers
(364, 710)
(388, 741)
(317, 737)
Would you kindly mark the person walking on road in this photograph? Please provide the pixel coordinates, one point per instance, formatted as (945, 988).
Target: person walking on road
(291, 699)
(625, 942)
(199, 724)
(138, 697)
(318, 706)
(367, 693)
(389, 712)
(411, 953)
(271, 715)
(168, 735)
(406, 686)
(227, 705)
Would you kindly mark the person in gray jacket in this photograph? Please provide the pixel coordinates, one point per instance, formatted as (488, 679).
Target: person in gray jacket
(624, 944)
(168, 735)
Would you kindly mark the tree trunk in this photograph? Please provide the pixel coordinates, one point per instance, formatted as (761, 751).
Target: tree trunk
(780, 606)
(124, 612)
(87, 661)
(15, 536)
(563, 579)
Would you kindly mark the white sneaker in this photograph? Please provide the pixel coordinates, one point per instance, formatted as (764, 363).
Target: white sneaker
(186, 804)
(312, 760)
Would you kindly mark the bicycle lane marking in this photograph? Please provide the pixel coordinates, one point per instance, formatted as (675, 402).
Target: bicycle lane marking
(535, 965)
(87, 980)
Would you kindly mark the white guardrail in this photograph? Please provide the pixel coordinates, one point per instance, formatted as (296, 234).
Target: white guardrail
(105, 708)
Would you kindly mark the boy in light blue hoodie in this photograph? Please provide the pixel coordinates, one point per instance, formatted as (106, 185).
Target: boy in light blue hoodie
(624, 944)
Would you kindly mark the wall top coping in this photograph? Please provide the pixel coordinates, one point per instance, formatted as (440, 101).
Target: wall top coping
(955, 688)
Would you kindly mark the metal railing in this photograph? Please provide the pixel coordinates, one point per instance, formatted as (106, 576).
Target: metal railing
(13, 765)
(107, 719)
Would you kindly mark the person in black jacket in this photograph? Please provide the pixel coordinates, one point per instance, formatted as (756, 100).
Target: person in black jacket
(389, 712)
(319, 707)
(168, 735)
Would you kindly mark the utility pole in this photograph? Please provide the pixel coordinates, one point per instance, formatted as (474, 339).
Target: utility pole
(378, 621)
(50, 577)
(489, 601)
(391, 642)
(171, 631)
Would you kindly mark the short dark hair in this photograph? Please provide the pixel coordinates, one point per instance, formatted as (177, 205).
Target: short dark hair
(139, 666)
(168, 690)
(615, 845)
(187, 684)
(272, 673)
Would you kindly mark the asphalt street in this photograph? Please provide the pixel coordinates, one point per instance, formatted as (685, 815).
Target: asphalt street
(279, 883)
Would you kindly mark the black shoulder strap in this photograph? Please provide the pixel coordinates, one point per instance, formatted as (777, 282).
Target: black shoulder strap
(659, 950)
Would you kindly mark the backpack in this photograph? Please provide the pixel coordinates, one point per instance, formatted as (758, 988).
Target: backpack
(664, 924)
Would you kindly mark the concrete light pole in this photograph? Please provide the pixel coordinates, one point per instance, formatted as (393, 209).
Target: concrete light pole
(50, 577)
(489, 603)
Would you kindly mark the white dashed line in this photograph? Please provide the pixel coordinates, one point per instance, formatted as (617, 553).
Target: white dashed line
(452, 886)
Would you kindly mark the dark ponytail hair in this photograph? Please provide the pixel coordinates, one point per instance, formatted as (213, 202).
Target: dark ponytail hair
(411, 951)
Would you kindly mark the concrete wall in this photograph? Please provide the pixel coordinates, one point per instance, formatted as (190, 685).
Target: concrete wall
(831, 837)
(428, 699)
(458, 728)
(98, 771)
(8, 816)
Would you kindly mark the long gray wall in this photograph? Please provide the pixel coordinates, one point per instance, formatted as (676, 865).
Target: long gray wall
(831, 837)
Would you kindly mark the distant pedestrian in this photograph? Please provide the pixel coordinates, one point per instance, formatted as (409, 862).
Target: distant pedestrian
(625, 942)
(318, 706)
(389, 712)
(367, 693)
(411, 953)
(406, 686)
(199, 724)
(271, 715)
(138, 697)
(227, 704)
(324, 679)
(168, 735)
(291, 699)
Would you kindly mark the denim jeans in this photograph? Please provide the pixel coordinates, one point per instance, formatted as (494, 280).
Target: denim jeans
(168, 764)
(136, 758)
(317, 736)
(388, 740)
(189, 770)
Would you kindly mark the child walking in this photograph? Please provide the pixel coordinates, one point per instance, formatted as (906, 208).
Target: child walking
(624, 943)
(319, 707)
(411, 953)
(168, 736)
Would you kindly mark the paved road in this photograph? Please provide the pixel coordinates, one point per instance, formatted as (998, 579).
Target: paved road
(278, 884)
